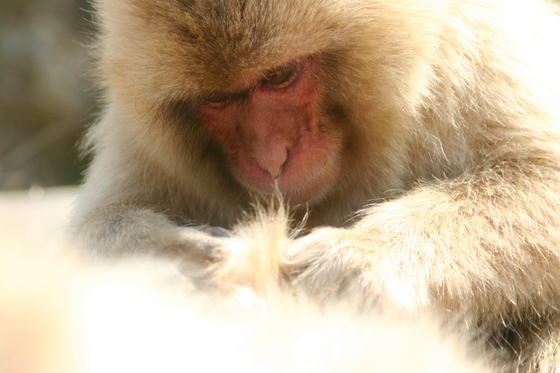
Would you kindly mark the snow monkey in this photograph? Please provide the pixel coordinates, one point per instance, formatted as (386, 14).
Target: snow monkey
(416, 142)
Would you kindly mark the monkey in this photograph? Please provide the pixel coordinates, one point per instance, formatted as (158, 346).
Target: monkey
(415, 142)
(59, 312)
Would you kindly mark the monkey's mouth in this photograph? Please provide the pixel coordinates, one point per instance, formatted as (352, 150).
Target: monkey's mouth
(297, 185)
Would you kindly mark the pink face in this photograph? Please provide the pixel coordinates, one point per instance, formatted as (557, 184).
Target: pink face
(274, 134)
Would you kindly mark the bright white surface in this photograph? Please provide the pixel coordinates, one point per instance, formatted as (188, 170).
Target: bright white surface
(34, 218)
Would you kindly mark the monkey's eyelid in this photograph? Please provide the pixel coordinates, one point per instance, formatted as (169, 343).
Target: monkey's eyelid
(282, 78)
(222, 99)
(217, 98)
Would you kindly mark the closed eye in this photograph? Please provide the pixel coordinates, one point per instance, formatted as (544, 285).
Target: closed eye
(217, 98)
(281, 78)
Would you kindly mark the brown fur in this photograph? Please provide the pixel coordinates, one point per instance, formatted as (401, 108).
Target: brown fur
(451, 161)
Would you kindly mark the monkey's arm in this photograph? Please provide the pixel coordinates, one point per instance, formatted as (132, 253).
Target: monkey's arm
(105, 224)
(119, 229)
(485, 242)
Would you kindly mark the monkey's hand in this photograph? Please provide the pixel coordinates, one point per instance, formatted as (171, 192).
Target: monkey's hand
(199, 245)
(391, 264)
(333, 262)
(212, 258)
(406, 254)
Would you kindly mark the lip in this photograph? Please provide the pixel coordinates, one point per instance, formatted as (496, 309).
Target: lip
(296, 190)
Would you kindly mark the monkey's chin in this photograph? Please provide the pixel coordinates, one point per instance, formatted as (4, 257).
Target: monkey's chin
(305, 194)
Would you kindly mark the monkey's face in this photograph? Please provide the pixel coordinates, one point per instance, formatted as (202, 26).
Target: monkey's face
(264, 95)
(273, 133)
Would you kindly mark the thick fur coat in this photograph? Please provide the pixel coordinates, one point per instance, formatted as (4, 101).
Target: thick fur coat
(443, 118)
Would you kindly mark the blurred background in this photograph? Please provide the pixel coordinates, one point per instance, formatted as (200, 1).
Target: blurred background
(45, 96)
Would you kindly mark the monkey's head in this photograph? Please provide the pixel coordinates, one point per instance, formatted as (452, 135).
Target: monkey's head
(271, 95)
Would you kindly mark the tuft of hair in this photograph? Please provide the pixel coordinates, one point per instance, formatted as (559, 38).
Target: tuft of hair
(258, 246)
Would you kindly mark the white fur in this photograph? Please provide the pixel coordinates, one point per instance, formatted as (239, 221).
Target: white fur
(62, 314)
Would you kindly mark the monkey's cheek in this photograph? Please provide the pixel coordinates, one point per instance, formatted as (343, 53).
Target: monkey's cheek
(314, 188)
(318, 181)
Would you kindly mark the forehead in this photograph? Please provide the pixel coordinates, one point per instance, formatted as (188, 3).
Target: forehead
(180, 48)
(225, 39)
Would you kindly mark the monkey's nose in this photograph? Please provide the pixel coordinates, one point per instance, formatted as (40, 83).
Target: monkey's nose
(272, 160)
